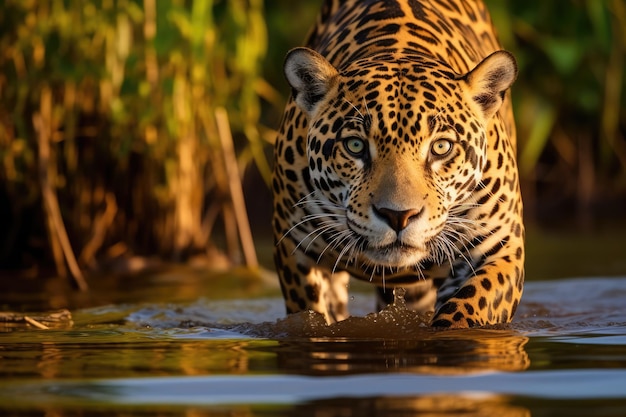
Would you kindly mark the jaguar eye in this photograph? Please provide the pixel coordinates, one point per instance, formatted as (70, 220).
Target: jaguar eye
(441, 147)
(355, 146)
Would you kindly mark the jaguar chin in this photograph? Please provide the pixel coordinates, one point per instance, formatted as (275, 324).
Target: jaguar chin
(395, 255)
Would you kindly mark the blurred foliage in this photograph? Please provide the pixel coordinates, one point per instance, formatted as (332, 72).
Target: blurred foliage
(570, 97)
(126, 92)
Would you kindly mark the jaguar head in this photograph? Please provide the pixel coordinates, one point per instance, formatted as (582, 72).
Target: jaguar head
(396, 148)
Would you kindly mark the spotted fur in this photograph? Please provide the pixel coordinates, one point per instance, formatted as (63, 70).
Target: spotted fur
(396, 163)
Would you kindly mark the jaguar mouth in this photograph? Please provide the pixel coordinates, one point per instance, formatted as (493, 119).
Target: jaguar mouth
(396, 254)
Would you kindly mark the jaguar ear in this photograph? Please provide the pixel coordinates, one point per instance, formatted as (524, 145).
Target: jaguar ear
(490, 79)
(311, 76)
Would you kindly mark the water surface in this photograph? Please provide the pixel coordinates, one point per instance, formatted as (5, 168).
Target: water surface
(184, 342)
(566, 350)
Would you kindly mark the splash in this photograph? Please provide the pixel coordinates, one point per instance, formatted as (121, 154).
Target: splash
(395, 321)
(398, 297)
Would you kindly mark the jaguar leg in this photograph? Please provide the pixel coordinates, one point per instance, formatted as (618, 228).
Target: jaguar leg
(490, 296)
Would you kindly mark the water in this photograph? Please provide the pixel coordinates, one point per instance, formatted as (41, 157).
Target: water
(190, 343)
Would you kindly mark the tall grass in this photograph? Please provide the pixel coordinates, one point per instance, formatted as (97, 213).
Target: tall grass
(122, 109)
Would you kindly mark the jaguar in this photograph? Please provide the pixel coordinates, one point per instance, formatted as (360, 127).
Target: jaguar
(395, 163)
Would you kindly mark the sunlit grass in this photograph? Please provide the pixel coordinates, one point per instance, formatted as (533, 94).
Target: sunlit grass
(129, 120)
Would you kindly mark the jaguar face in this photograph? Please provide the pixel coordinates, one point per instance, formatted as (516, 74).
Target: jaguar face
(395, 152)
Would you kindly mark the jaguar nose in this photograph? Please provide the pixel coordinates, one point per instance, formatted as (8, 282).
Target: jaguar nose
(397, 219)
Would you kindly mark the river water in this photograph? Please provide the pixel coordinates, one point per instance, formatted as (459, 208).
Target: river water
(185, 342)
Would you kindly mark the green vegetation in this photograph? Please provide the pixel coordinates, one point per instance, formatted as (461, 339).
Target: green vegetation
(116, 117)
(570, 101)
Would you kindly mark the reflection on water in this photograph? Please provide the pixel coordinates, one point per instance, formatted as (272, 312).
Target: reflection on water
(395, 339)
(230, 351)
(437, 354)
(431, 405)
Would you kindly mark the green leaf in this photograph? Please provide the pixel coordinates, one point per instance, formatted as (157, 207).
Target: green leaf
(565, 54)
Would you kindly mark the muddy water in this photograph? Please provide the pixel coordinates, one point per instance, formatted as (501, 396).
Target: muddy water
(188, 343)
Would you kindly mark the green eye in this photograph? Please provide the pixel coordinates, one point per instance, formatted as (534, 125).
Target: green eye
(441, 147)
(355, 146)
